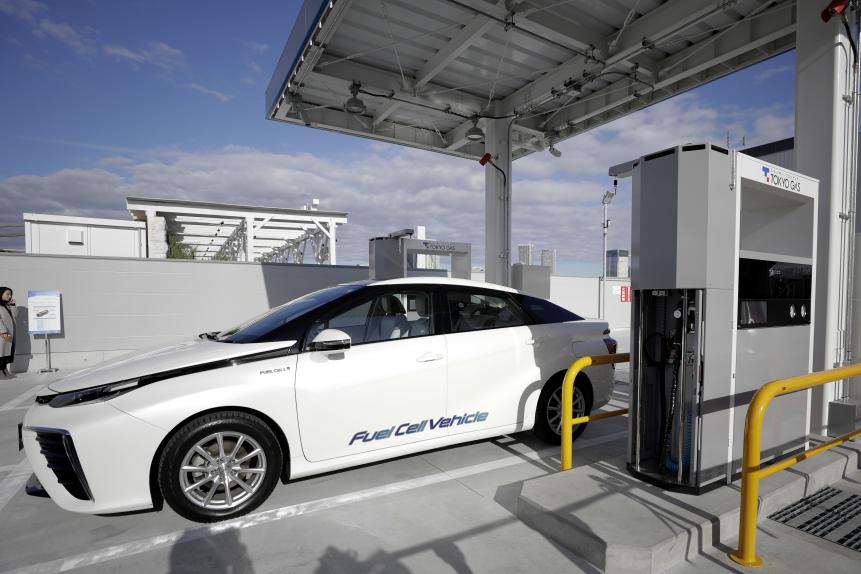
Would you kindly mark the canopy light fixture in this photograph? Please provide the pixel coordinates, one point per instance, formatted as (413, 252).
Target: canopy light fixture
(354, 105)
(475, 133)
(554, 152)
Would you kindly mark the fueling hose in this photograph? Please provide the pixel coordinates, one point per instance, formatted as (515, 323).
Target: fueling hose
(675, 358)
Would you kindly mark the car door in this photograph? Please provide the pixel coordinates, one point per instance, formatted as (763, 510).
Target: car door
(387, 389)
(490, 359)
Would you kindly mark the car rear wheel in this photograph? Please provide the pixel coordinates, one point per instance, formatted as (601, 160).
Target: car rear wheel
(219, 466)
(548, 413)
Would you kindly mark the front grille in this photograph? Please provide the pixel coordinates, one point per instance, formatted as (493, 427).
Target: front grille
(59, 451)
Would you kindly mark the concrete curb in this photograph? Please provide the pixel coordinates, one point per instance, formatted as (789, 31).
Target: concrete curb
(620, 524)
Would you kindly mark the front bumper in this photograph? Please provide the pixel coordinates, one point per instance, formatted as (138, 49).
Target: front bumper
(99, 456)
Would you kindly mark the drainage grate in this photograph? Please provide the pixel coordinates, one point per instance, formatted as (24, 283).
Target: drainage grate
(830, 514)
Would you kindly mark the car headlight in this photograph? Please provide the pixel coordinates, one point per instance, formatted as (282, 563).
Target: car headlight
(93, 394)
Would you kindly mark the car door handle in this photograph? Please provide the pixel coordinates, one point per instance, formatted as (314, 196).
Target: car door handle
(428, 357)
(533, 342)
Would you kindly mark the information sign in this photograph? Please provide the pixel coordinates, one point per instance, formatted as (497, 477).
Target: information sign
(44, 312)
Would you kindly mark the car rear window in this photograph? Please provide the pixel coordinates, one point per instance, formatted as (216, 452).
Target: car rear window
(476, 311)
(544, 311)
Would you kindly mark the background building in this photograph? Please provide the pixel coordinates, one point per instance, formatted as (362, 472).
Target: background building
(66, 235)
(524, 253)
(548, 259)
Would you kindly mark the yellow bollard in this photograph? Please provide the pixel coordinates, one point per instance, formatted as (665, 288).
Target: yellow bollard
(568, 419)
(746, 553)
(567, 407)
(751, 473)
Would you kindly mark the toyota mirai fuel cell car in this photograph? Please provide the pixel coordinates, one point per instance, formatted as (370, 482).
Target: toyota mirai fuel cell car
(344, 376)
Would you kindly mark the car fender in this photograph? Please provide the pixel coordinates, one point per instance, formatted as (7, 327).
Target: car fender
(265, 386)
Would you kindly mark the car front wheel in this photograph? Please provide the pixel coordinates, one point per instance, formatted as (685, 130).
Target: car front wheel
(548, 413)
(219, 466)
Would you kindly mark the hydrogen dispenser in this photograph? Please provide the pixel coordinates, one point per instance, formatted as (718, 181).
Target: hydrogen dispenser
(722, 277)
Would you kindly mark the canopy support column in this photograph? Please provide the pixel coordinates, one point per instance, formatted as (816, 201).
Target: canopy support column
(497, 202)
(825, 148)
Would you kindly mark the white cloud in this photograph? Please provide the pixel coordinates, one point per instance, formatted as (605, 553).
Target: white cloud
(769, 73)
(88, 192)
(220, 96)
(556, 201)
(254, 67)
(30, 11)
(772, 127)
(27, 10)
(157, 54)
(116, 161)
(382, 190)
(257, 47)
(68, 35)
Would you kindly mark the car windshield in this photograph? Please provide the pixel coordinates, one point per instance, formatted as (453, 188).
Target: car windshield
(259, 327)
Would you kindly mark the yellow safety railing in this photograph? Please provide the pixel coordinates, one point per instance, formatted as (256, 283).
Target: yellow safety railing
(568, 420)
(752, 472)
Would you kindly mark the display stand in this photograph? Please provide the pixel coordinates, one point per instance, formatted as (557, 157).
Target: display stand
(45, 317)
(49, 368)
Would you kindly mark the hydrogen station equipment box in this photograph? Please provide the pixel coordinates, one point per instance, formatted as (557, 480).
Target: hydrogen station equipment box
(722, 272)
(394, 256)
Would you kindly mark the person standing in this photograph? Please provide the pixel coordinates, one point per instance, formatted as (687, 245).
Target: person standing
(7, 330)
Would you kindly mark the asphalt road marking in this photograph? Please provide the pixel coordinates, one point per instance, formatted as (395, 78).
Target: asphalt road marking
(12, 484)
(16, 402)
(268, 516)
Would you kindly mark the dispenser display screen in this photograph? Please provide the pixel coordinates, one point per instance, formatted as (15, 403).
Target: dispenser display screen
(773, 293)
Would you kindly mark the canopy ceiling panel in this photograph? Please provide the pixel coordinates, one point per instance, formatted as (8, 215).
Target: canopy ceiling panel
(426, 71)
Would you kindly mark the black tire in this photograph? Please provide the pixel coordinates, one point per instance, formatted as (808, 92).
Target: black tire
(549, 406)
(214, 433)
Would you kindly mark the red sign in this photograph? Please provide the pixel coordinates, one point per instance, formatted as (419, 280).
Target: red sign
(625, 295)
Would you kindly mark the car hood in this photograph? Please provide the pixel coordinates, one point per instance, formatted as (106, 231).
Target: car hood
(158, 360)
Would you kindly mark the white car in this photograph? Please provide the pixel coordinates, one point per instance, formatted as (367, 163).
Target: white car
(341, 377)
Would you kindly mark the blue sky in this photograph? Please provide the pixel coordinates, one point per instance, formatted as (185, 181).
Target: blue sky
(102, 99)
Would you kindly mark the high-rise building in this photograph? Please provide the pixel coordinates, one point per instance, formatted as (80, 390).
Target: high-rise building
(524, 253)
(618, 263)
(548, 259)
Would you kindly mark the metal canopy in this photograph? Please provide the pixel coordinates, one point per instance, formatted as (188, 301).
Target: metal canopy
(244, 232)
(427, 71)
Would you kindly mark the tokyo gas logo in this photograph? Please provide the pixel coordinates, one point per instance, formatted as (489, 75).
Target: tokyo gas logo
(781, 179)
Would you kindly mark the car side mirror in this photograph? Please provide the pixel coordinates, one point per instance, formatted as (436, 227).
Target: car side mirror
(331, 340)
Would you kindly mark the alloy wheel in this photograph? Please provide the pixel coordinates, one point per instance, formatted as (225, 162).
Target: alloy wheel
(554, 408)
(222, 470)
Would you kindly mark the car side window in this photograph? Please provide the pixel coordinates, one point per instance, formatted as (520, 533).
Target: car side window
(477, 311)
(389, 315)
(546, 312)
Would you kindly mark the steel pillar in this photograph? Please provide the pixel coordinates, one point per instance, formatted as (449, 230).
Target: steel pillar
(823, 134)
(497, 202)
(249, 239)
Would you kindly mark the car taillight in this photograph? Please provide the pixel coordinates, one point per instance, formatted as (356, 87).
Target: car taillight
(612, 345)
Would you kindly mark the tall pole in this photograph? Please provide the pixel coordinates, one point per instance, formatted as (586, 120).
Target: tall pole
(603, 294)
(605, 226)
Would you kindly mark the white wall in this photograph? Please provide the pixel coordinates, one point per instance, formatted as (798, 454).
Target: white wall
(112, 306)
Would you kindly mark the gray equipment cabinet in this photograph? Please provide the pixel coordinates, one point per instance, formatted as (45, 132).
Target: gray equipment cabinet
(390, 257)
(722, 274)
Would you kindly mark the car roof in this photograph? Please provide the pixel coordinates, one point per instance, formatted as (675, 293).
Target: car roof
(442, 281)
